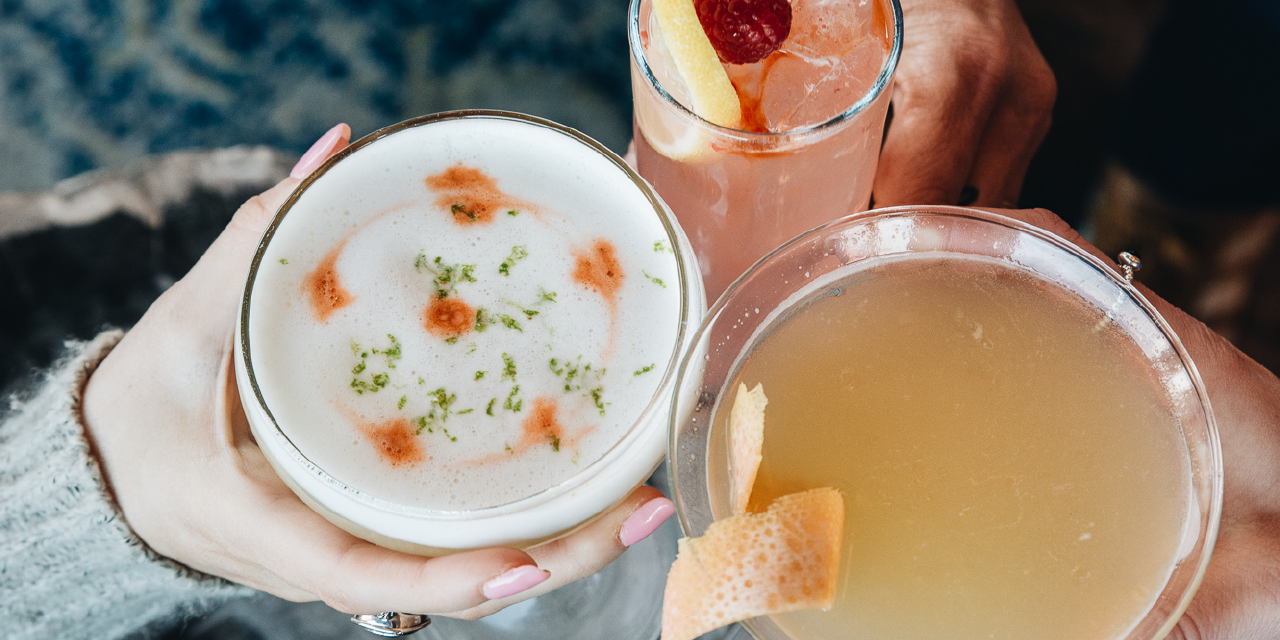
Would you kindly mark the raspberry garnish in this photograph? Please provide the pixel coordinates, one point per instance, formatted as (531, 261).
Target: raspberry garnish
(744, 31)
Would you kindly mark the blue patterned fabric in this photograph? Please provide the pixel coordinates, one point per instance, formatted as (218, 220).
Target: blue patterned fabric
(96, 83)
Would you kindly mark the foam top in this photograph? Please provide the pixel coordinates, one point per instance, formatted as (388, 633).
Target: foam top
(464, 314)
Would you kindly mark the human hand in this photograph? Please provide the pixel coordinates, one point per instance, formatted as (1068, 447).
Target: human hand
(972, 101)
(164, 415)
(1238, 599)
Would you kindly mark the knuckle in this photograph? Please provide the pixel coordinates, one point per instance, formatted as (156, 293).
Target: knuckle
(985, 55)
(337, 594)
(252, 215)
(993, 64)
(1039, 87)
(573, 558)
(1045, 85)
(578, 568)
(252, 208)
(335, 588)
(981, 73)
(256, 213)
(475, 613)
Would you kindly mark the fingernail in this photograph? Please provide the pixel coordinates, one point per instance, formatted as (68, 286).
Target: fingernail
(513, 581)
(646, 520)
(319, 151)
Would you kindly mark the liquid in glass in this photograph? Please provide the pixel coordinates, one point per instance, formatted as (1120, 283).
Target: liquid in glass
(813, 114)
(1024, 447)
(1011, 468)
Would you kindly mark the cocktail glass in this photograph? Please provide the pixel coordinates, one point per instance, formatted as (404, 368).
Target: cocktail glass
(342, 187)
(816, 262)
(739, 194)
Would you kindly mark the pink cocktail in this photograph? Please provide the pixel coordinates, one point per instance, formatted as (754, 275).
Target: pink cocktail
(806, 147)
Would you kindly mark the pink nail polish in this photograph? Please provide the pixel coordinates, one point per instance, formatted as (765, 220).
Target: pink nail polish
(513, 581)
(319, 151)
(645, 520)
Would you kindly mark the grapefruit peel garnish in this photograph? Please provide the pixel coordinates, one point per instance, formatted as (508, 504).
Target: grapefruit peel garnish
(746, 443)
(713, 96)
(756, 564)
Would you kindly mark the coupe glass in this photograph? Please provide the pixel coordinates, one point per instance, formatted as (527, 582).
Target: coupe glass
(698, 447)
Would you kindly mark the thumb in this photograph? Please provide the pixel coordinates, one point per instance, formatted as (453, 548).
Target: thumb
(221, 269)
(252, 218)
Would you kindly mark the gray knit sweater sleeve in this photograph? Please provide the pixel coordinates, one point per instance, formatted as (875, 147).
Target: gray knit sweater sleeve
(69, 565)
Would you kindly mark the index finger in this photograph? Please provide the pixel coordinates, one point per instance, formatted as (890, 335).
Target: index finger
(238, 242)
(938, 119)
(219, 274)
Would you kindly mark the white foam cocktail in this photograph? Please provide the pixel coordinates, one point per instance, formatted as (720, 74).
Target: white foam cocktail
(461, 332)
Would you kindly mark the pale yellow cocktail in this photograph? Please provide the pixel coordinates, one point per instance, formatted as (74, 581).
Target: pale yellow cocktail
(1023, 447)
(1010, 468)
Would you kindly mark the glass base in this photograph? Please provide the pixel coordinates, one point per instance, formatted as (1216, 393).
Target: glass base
(622, 602)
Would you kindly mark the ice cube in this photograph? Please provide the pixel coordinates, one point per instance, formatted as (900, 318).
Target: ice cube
(827, 28)
(790, 79)
(824, 67)
(845, 80)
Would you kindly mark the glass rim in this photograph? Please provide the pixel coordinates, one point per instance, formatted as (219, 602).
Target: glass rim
(882, 82)
(1213, 476)
(581, 475)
